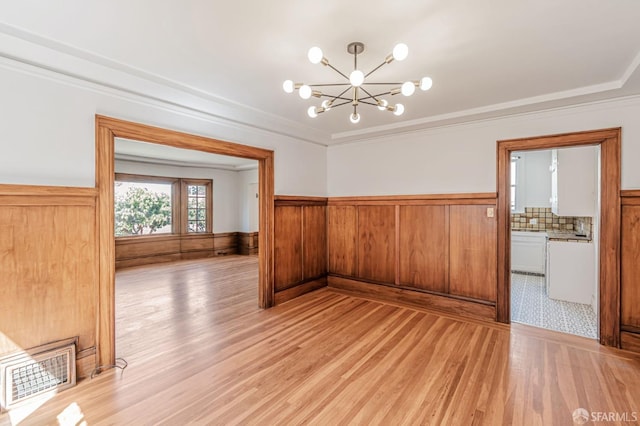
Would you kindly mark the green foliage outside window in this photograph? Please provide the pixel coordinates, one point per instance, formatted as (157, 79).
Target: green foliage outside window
(141, 211)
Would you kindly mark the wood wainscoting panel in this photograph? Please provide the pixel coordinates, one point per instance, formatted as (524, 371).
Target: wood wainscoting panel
(424, 247)
(248, 243)
(288, 246)
(377, 243)
(472, 252)
(341, 240)
(146, 246)
(630, 267)
(314, 237)
(417, 299)
(49, 268)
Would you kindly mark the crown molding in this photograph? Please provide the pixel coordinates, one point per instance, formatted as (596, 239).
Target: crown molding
(178, 163)
(27, 52)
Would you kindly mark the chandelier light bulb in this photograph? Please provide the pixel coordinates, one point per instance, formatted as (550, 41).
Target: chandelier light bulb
(354, 118)
(315, 55)
(356, 78)
(288, 86)
(400, 52)
(408, 88)
(399, 109)
(426, 83)
(382, 104)
(305, 91)
(312, 112)
(326, 104)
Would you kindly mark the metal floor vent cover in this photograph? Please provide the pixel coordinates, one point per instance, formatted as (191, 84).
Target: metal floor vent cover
(39, 370)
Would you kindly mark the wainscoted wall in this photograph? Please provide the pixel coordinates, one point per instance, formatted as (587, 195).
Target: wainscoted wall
(143, 250)
(300, 240)
(436, 251)
(630, 272)
(248, 242)
(49, 268)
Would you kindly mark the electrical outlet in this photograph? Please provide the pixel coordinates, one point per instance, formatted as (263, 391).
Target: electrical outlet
(490, 212)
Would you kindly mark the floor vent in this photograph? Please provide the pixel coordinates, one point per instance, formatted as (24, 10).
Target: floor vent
(37, 371)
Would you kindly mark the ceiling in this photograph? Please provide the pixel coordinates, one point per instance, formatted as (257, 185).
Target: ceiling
(126, 149)
(485, 58)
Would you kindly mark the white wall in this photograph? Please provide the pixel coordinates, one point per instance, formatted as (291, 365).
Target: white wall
(249, 218)
(227, 190)
(47, 132)
(462, 158)
(537, 178)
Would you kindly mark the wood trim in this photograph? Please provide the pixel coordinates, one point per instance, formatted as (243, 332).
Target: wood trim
(449, 305)
(630, 193)
(630, 197)
(177, 139)
(483, 196)
(296, 200)
(609, 141)
(299, 290)
(129, 177)
(46, 200)
(38, 190)
(32, 195)
(301, 199)
(107, 129)
(184, 200)
(630, 341)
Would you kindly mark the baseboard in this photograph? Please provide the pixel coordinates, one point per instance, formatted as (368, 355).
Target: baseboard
(630, 341)
(299, 290)
(85, 362)
(449, 305)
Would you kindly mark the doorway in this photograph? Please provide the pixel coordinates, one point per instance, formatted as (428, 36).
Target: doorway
(609, 228)
(554, 202)
(107, 129)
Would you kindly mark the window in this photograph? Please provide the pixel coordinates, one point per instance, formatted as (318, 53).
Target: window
(514, 180)
(197, 201)
(143, 205)
(146, 205)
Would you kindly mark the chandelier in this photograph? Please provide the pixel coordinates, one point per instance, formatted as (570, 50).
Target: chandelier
(357, 90)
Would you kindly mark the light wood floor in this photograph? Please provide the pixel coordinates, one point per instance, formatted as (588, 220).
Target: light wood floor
(200, 351)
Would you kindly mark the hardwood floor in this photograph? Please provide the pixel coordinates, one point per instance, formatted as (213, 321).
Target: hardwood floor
(201, 352)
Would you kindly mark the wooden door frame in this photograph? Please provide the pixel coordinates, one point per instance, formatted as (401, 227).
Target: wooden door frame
(107, 129)
(609, 259)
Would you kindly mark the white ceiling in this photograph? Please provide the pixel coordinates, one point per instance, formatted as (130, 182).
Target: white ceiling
(486, 58)
(126, 149)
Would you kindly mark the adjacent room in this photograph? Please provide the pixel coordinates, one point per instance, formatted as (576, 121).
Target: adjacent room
(554, 239)
(285, 212)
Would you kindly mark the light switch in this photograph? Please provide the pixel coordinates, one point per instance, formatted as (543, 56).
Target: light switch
(490, 212)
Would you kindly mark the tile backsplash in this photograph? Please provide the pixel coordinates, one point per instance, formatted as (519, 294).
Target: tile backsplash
(547, 221)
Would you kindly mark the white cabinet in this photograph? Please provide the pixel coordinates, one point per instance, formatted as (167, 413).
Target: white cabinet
(528, 252)
(570, 269)
(573, 181)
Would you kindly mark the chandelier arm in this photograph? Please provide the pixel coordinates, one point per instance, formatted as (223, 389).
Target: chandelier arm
(332, 84)
(375, 69)
(376, 95)
(342, 98)
(343, 103)
(370, 95)
(367, 102)
(339, 96)
(337, 70)
(382, 84)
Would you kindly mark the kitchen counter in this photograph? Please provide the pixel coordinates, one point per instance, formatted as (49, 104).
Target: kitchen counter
(568, 236)
(557, 235)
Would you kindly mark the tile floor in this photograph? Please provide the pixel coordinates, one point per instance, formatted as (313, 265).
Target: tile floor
(530, 305)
